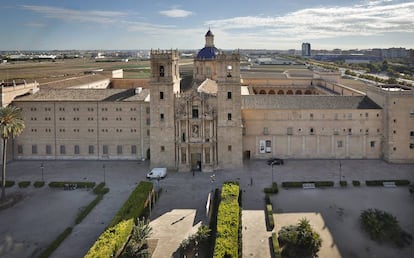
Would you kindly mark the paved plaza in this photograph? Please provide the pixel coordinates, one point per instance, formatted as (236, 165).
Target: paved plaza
(29, 226)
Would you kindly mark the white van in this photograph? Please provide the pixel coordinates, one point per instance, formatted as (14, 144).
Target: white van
(157, 173)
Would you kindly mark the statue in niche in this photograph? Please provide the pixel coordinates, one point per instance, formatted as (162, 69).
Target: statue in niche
(195, 130)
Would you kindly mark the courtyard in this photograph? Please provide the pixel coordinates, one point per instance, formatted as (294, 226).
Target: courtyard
(29, 226)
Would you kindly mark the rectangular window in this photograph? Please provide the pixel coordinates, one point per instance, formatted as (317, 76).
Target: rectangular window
(162, 148)
(229, 147)
(48, 149)
(105, 149)
(229, 116)
(148, 132)
(161, 95)
(161, 116)
(349, 130)
(207, 155)
(147, 110)
(119, 149)
(148, 121)
(76, 149)
(91, 149)
(265, 131)
(229, 95)
(34, 149)
(133, 149)
(268, 146)
(412, 146)
(311, 131)
(372, 143)
(411, 134)
(195, 112)
(62, 149)
(20, 149)
(349, 116)
(339, 144)
(289, 131)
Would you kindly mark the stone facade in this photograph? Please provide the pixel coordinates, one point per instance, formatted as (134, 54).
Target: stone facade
(218, 120)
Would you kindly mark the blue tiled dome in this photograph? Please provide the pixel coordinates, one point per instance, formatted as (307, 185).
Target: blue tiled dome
(208, 53)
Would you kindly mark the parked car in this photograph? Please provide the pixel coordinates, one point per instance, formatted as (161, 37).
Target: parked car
(157, 173)
(275, 161)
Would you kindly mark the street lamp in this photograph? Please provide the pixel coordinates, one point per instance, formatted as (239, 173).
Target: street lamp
(104, 170)
(340, 172)
(42, 167)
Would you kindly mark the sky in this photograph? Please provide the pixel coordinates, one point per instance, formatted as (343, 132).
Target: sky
(236, 24)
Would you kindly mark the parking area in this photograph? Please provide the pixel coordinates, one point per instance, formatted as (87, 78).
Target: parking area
(47, 212)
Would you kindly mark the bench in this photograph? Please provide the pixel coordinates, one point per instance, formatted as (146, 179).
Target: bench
(389, 184)
(308, 186)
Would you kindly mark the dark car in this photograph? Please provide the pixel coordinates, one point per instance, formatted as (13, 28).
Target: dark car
(275, 161)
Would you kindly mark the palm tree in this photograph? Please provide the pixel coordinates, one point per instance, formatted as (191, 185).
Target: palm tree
(11, 125)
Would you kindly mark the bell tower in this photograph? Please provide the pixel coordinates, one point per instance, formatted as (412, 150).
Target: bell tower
(164, 84)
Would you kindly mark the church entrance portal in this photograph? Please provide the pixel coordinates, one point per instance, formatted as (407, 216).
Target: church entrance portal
(196, 161)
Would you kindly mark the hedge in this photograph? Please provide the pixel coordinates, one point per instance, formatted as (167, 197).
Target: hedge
(39, 184)
(272, 190)
(135, 204)
(228, 220)
(101, 189)
(55, 244)
(356, 183)
(111, 240)
(24, 184)
(343, 183)
(379, 182)
(300, 183)
(269, 212)
(118, 231)
(78, 184)
(8, 183)
(276, 247)
(88, 209)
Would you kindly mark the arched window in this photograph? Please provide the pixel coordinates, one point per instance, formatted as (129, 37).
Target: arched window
(162, 73)
(308, 92)
(289, 92)
(280, 92)
(298, 92)
(262, 92)
(272, 92)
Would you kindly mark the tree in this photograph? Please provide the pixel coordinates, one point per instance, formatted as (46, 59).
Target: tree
(11, 125)
(299, 240)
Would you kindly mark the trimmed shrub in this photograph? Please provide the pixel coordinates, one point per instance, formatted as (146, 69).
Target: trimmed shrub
(272, 190)
(343, 183)
(88, 209)
(380, 182)
(300, 184)
(276, 247)
(111, 240)
(299, 240)
(270, 220)
(78, 184)
(356, 183)
(55, 244)
(121, 226)
(8, 183)
(135, 204)
(24, 184)
(101, 189)
(228, 217)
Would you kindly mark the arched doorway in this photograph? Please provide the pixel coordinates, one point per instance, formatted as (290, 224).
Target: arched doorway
(308, 92)
(289, 92)
(272, 92)
(280, 92)
(298, 92)
(262, 92)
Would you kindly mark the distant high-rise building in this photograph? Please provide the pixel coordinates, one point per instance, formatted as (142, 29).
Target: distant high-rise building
(306, 49)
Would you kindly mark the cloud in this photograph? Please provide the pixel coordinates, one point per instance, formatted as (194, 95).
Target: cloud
(94, 16)
(35, 24)
(369, 18)
(176, 13)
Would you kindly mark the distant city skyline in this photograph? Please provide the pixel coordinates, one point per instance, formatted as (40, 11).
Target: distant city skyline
(262, 24)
